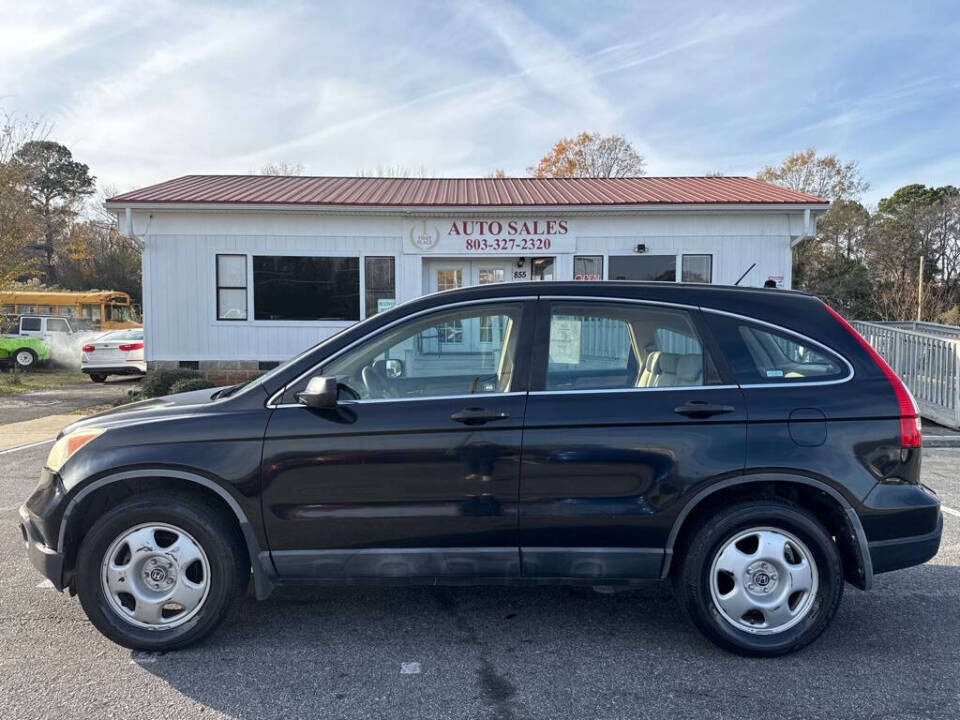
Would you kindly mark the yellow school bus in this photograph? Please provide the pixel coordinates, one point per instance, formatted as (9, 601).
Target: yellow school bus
(103, 309)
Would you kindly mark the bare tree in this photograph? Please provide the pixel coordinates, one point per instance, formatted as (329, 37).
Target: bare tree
(397, 171)
(822, 176)
(590, 155)
(281, 168)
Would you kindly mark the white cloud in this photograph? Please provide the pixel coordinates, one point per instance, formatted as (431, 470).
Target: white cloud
(150, 91)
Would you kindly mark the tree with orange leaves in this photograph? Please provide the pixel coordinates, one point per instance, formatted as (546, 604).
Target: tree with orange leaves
(591, 155)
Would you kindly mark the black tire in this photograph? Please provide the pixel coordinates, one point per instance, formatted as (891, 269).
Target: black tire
(98, 378)
(29, 353)
(229, 567)
(692, 576)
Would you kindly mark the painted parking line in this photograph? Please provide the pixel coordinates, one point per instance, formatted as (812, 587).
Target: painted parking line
(27, 446)
(950, 511)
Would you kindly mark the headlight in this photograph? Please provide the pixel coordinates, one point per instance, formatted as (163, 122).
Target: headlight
(66, 446)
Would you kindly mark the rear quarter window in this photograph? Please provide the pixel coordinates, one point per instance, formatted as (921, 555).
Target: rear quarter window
(760, 354)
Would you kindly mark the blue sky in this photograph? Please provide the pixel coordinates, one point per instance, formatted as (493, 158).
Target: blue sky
(143, 92)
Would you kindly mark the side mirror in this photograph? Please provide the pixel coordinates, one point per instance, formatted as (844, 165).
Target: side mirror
(394, 368)
(320, 393)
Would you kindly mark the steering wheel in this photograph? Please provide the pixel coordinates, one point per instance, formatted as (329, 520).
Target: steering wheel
(376, 383)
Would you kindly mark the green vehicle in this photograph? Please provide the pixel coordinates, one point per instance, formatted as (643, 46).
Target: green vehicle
(26, 352)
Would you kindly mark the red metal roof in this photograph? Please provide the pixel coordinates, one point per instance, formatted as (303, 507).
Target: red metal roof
(431, 192)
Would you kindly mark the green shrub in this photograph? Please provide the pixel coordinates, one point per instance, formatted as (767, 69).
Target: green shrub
(157, 383)
(189, 384)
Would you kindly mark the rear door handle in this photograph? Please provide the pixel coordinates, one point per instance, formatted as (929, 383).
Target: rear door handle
(477, 416)
(702, 409)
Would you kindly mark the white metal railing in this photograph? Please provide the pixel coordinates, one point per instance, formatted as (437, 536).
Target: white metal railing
(927, 357)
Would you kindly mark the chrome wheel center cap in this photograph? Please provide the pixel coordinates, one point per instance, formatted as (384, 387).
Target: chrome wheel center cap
(761, 578)
(159, 573)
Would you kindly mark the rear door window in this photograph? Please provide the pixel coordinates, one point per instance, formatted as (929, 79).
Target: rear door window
(608, 346)
(762, 355)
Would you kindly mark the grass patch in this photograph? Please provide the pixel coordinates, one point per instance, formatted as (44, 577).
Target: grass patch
(39, 379)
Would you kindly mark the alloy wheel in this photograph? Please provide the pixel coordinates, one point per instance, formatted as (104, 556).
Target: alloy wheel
(763, 580)
(155, 576)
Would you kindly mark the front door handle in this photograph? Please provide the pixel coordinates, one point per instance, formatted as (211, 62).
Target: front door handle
(477, 416)
(702, 409)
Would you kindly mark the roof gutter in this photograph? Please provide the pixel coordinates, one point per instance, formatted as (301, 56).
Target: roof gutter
(809, 209)
(809, 225)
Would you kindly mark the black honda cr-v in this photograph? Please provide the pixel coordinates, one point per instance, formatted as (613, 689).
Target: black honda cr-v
(746, 444)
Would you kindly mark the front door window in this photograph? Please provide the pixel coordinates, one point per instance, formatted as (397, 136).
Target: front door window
(408, 362)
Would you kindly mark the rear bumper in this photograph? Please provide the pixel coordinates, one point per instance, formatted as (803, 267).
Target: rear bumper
(897, 553)
(47, 560)
(133, 368)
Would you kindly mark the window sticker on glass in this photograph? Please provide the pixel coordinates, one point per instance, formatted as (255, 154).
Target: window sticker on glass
(565, 340)
(774, 373)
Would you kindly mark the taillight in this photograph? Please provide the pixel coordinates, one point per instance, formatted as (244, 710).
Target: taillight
(131, 346)
(910, 436)
(87, 348)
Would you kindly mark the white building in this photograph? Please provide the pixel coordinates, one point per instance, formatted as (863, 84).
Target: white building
(240, 272)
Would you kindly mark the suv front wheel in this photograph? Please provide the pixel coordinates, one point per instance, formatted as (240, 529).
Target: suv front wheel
(761, 578)
(159, 571)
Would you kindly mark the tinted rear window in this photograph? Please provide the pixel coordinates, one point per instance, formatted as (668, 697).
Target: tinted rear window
(763, 354)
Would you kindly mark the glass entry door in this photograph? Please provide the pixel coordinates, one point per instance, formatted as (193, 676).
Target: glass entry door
(456, 273)
(490, 330)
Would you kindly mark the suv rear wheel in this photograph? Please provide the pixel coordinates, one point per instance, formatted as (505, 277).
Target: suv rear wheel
(761, 578)
(160, 571)
(25, 358)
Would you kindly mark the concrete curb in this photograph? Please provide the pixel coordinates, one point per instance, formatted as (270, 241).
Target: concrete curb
(941, 441)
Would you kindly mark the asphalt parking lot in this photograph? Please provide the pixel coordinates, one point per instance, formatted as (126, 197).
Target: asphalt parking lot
(482, 652)
(18, 407)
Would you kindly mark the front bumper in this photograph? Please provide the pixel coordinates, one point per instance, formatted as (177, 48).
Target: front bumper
(48, 561)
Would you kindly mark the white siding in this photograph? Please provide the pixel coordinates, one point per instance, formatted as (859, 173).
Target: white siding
(181, 247)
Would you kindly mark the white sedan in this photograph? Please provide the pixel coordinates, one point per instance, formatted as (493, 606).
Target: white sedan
(119, 352)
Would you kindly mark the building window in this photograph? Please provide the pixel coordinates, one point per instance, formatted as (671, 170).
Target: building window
(644, 267)
(231, 287)
(542, 268)
(697, 268)
(306, 288)
(380, 284)
(588, 267)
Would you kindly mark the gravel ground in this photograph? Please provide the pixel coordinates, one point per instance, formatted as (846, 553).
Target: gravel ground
(482, 652)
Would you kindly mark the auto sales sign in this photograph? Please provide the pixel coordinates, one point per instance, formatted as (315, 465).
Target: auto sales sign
(506, 236)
